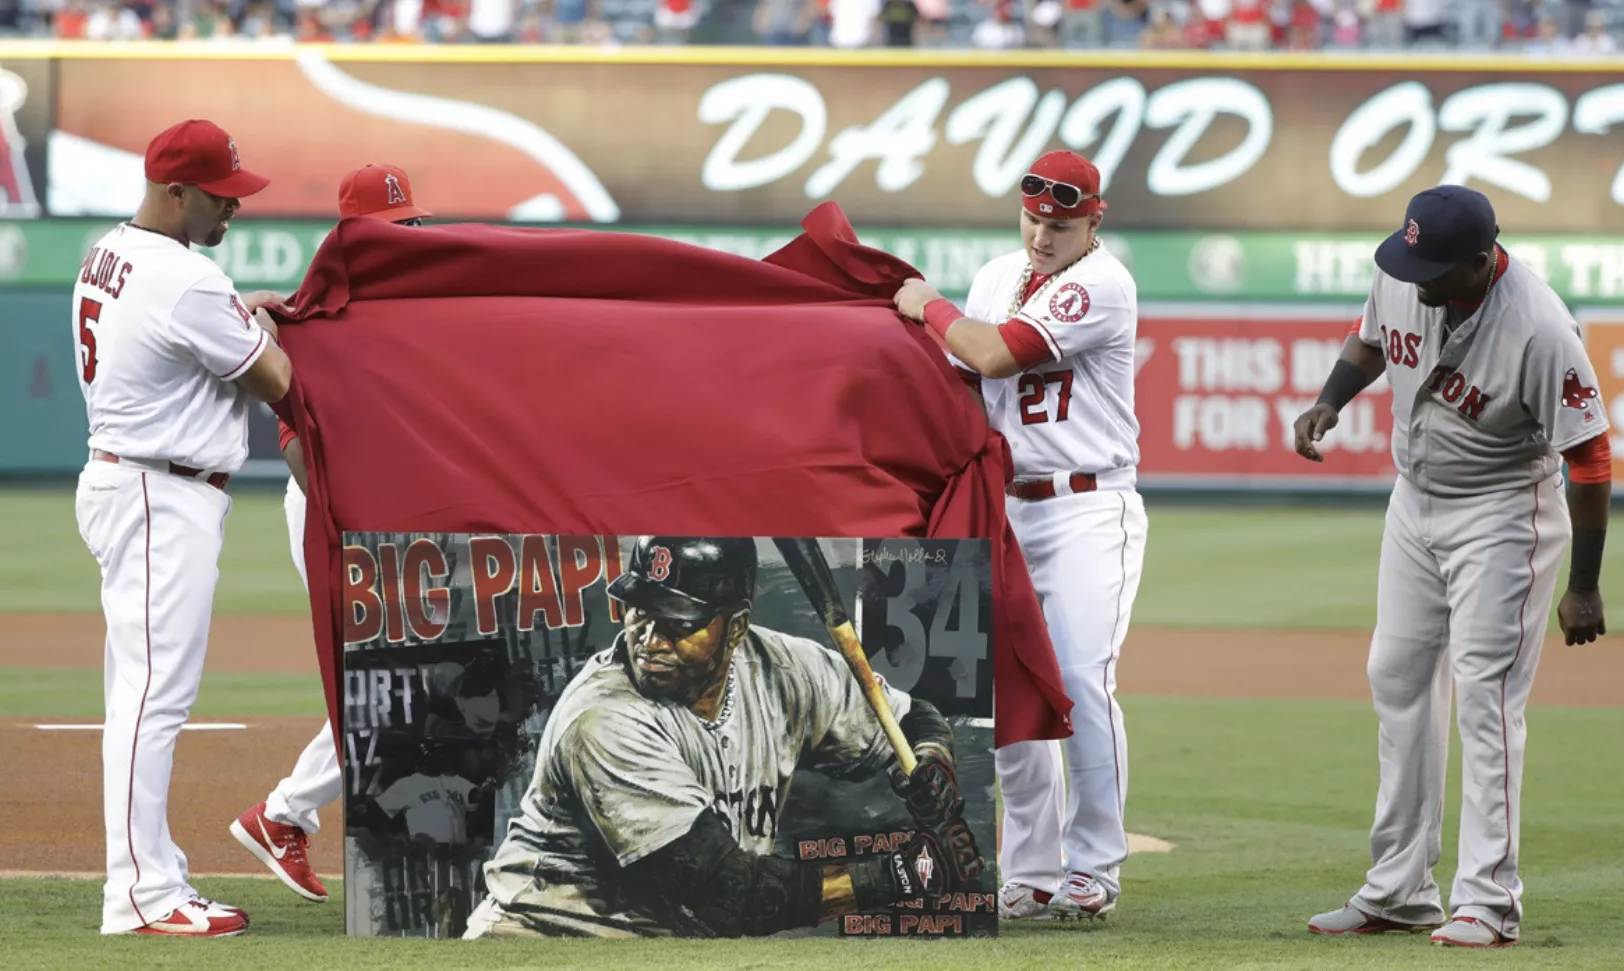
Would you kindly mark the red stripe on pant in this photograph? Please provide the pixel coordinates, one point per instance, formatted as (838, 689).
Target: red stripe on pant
(135, 740)
(1105, 681)
(1505, 739)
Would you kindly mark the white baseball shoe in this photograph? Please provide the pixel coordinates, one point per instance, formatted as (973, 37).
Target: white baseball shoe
(1470, 932)
(1017, 901)
(1351, 920)
(1083, 897)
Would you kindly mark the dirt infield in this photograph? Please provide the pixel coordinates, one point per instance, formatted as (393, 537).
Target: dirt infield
(56, 825)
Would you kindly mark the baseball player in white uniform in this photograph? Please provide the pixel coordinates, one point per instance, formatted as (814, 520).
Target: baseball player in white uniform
(277, 831)
(1491, 391)
(667, 761)
(1051, 332)
(169, 356)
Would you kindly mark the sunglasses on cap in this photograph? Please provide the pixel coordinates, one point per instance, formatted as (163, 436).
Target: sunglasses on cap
(414, 221)
(1067, 195)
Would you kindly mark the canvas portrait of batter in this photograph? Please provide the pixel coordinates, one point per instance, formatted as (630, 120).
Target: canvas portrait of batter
(724, 737)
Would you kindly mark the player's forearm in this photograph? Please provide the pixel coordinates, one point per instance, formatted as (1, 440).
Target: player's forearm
(739, 893)
(980, 346)
(839, 894)
(1588, 504)
(270, 377)
(1356, 368)
(926, 725)
(294, 456)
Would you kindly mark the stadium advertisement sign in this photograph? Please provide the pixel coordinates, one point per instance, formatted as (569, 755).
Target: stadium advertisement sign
(1217, 394)
(1245, 266)
(1182, 144)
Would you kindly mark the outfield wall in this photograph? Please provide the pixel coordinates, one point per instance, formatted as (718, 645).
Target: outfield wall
(757, 136)
(1313, 155)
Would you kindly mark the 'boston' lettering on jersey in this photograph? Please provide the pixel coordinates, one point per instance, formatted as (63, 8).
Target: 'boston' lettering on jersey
(1402, 349)
(755, 812)
(1452, 384)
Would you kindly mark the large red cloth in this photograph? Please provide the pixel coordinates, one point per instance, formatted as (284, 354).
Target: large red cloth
(464, 378)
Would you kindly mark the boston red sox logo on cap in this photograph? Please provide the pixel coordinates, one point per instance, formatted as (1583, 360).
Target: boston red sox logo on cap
(1070, 303)
(659, 566)
(1459, 225)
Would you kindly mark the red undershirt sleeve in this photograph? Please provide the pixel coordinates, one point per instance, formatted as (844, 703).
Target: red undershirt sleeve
(1590, 461)
(1025, 344)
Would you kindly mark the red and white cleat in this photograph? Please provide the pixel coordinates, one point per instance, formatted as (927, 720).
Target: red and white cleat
(284, 849)
(199, 918)
(1083, 897)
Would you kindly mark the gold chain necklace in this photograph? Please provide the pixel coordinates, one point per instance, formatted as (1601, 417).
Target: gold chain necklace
(1020, 300)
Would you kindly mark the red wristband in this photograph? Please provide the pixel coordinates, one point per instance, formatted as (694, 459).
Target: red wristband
(940, 314)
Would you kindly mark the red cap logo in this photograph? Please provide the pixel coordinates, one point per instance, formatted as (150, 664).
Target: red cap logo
(1412, 233)
(200, 153)
(381, 191)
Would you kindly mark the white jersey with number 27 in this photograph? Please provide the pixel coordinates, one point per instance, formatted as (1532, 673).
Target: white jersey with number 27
(1074, 413)
(162, 336)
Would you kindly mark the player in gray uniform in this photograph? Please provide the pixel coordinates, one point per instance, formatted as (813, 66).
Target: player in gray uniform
(1491, 390)
(666, 763)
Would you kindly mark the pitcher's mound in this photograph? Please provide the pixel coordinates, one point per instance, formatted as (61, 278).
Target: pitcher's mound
(1147, 844)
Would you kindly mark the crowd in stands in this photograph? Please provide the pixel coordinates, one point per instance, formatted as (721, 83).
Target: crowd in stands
(1546, 27)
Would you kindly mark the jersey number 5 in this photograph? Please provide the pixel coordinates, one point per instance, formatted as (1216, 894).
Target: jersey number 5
(1035, 396)
(89, 313)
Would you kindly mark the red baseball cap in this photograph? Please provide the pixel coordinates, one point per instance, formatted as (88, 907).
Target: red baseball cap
(200, 153)
(1065, 169)
(380, 191)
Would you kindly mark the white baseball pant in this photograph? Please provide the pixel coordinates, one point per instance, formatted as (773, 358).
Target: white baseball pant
(157, 539)
(1462, 598)
(1085, 552)
(316, 780)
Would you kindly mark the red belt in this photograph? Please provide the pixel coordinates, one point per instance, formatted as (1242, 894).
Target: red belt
(216, 479)
(1034, 489)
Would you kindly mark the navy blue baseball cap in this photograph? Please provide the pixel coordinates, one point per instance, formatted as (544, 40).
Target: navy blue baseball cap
(1443, 226)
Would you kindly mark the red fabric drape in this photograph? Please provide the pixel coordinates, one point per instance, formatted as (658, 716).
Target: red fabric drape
(464, 378)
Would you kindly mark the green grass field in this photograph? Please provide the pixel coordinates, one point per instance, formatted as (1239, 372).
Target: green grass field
(1248, 566)
(1267, 803)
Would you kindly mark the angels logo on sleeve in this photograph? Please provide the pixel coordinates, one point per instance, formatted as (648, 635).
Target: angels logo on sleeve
(247, 318)
(1070, 303)
(1575, 393)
